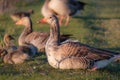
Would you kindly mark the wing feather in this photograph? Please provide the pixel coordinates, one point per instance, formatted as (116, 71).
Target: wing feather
(36, 36)
(76, 49)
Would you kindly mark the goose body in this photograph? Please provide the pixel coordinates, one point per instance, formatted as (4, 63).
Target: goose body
(38, 39)
(66, 7)
(18, 55)
(15, 57)
(72, 54)
(62, 8)
(45, 10)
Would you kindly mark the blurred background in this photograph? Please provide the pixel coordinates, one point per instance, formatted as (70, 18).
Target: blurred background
(97, 25)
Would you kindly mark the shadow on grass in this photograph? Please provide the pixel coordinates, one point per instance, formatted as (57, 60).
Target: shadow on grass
(8, 70)
(115, 49)
(41, 56)
(112, 68)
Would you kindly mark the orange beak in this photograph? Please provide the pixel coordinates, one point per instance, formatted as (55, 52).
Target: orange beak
(44, 20)
(19, 22)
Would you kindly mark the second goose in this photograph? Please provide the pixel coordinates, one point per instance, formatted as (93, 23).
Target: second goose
(18, 55)
(38, 39)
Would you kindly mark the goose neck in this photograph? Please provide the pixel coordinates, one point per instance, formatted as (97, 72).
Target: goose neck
(55, 33)
(27, 30)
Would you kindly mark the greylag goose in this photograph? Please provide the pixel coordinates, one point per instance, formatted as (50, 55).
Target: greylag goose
(61, 8)
(8, 43)
(15, 57)
(18, 55)
(38, 39)
(72, 54)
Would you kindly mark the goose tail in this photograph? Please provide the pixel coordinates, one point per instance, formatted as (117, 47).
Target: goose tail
(104, 63)
(116, 58)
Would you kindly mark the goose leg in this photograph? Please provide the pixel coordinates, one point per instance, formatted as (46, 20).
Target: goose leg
(67, 20)
(61, 20)
(94, 69)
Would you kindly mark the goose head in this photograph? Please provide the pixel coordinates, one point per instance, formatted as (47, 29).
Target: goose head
(21, 18)
(52, 20)
(25, 21)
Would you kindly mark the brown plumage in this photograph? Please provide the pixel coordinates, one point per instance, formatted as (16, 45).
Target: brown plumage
(62, 8)
(18, 55)
(38, 39)
(15, 57)
(72, 54)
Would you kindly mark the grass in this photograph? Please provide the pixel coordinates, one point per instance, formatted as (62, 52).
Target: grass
(98, 26)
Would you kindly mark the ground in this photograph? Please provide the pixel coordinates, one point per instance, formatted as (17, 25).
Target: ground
(98, 25)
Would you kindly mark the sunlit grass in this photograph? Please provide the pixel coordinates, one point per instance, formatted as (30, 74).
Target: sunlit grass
(98, 26)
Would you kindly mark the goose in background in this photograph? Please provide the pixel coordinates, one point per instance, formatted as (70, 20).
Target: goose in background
(38, 39)
(17, 15)
(72, 54)
(45, 10)
(18, 55)
(62, 8)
